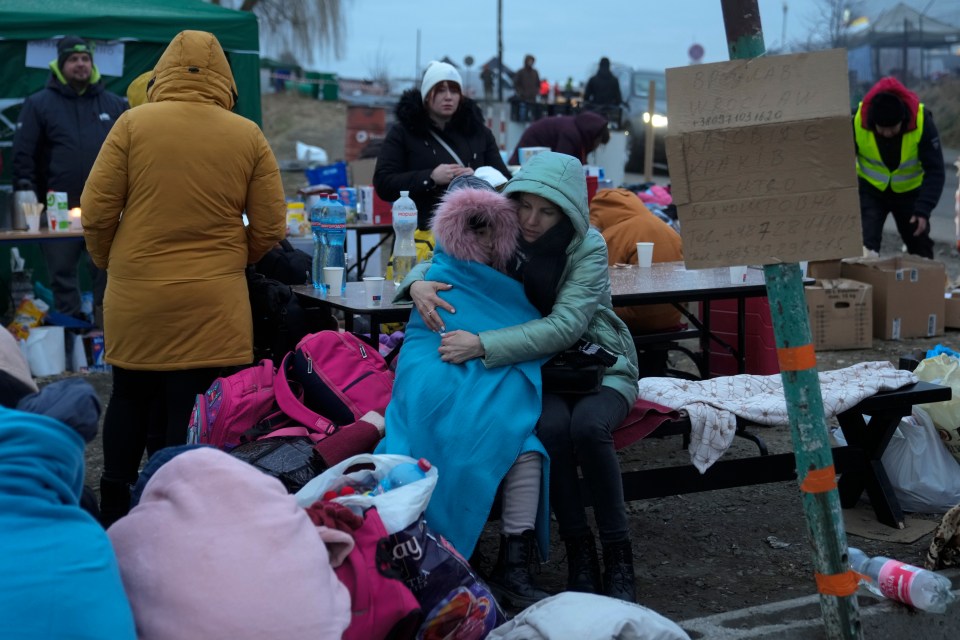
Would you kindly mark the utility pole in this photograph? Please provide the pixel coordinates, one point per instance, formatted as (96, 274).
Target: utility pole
(499, 50)
(783, 29)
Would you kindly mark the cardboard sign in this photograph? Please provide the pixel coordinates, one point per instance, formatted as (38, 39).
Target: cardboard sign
(762, 160)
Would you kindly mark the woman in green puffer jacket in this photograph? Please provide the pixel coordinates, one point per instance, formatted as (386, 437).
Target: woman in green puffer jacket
(562, 264)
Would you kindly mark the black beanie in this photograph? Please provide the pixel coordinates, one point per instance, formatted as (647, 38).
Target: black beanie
(887, 110)
(72, 44)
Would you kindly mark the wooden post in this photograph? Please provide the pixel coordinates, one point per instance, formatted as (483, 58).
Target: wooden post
(801, 385)
(648, 133)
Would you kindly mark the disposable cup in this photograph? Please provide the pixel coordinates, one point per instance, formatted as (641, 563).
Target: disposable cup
(738, 275)
(33, 221)
(333, 279)
(644, 254)
(373, 288)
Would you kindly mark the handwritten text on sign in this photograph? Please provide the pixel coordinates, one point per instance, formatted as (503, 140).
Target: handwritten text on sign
(761, 160)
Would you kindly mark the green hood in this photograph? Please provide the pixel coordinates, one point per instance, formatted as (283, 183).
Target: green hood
(559, 178)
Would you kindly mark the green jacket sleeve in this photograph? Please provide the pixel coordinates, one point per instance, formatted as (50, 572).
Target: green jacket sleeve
(584, 286)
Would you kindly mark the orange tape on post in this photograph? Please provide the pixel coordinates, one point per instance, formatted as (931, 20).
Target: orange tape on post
(820, 480)
(797, 358)
(838, 584)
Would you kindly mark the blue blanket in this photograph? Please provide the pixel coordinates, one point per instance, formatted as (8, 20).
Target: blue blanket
(469, 421)
(58, 572)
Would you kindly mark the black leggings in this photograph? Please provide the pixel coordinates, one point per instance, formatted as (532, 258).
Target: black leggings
(148, 410)
(577, 430)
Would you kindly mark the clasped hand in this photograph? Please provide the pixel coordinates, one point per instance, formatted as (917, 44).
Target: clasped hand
(456, 347)
(443, 174)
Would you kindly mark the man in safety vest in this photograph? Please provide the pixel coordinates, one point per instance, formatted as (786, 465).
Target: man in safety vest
(899, 165)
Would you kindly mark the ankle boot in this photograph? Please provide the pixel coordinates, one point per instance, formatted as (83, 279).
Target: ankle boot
(114, 500)
(618, 578)
(510, 579)
(583, 566)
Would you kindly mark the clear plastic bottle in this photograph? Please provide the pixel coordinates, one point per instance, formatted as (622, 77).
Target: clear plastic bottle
(334, 224)
(402, 474)
(919, 588)
(317, 212)
(404, 244)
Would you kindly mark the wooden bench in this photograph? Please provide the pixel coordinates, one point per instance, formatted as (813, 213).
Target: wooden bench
(858, 463)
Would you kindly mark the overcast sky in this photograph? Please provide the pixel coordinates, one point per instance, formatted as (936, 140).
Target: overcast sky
(566, 36)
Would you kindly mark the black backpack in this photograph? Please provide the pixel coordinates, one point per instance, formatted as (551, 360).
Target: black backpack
(286, 264)
(278, 319)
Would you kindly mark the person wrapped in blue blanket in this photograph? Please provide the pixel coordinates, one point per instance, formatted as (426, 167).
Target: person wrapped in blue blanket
(475, 423)
(562, 265)
(58, 572)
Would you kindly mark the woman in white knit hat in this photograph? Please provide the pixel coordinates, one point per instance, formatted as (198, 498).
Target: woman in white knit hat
(439, 134)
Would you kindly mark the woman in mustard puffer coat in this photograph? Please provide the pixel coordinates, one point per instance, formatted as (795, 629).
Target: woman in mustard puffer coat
(162, 212)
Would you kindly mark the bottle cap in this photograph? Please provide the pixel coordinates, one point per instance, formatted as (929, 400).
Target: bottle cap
(424, 464)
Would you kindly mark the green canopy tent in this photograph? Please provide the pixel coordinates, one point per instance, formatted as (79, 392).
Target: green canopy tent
(142, 28)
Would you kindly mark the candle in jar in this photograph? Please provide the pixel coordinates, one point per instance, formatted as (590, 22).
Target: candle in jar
(75, 224)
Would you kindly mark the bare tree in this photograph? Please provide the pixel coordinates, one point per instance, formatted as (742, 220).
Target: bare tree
(305, 26)
(830, 22)
(379, 68)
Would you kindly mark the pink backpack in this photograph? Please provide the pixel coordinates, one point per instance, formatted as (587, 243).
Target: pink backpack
(338, 374)
(331, 381)
(232, 405)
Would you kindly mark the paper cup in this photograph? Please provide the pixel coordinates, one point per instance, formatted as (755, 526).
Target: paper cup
(738, 275)
(333, 279)
(33, 222)
(644, 254)
(373, 288)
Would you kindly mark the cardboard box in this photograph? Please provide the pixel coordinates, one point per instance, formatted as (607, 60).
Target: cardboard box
(951, 312)
(759, 153)
(824, 269)
(841, 314)
(908, 297)
(361, 171)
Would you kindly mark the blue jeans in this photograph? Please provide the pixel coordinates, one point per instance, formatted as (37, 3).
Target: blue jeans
(577, 430)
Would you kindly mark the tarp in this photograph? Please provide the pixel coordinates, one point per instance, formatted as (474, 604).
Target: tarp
(143, 27)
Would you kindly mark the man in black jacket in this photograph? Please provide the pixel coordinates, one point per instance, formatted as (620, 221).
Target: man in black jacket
(602, 93)
(58, 137)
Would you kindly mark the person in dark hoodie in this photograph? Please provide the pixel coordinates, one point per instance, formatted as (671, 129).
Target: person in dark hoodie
(439, 135)
(602, 93)
(899, 165)
(575, 135)
(59, 134)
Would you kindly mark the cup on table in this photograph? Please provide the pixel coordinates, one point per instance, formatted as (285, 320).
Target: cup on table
(31, 215)
(373, 290)
(333, 279)
(644, 254)
(738, 275)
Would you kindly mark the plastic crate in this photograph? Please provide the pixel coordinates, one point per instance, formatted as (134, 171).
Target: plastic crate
(760, 347)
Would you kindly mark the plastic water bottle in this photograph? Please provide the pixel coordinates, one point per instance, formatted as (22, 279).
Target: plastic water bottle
(317, 212)
(404, 244)
(919, 588)
(334, 225)
(403, 474)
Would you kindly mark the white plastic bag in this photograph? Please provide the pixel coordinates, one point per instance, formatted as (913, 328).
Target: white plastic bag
(944, 369)
(46, 351)
(311, 153)
(925, 477)
(398, 508)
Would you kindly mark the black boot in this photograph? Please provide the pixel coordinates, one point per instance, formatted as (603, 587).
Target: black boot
(618, 579)
(583, 566)
(510, 579)
(114, 500)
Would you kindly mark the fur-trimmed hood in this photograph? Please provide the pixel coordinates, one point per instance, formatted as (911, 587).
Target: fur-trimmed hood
(451, 225)
(413, 115)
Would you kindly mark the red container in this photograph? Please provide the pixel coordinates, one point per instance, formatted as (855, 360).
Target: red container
(760, 347)
(592, 182)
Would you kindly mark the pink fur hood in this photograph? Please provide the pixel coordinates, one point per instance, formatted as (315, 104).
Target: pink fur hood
(451, 225)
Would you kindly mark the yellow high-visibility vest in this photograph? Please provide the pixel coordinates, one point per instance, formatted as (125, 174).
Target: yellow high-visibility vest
(908, 176)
